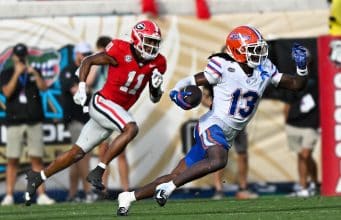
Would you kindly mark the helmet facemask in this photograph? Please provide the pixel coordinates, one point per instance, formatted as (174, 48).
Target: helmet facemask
(149, 46)
(256, 53)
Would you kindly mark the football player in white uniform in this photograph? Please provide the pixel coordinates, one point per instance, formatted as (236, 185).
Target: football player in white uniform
(239, 78)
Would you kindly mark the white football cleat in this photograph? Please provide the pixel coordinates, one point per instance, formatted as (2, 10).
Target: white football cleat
(124, 201)
(163, 191)
(7, 200)
(43, 199)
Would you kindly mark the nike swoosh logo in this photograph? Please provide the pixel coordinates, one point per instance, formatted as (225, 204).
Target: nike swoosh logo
(152, 65)
(160, 194)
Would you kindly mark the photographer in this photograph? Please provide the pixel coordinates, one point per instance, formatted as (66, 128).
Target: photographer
(21, 83)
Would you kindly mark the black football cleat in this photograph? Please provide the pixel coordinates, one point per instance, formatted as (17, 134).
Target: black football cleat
(95, 178)
(161, 197)
(34, 180)
(121, 211)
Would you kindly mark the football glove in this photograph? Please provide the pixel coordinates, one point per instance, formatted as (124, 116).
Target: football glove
(157, 78)
(178, 98)
(80, 96)
(299, 55)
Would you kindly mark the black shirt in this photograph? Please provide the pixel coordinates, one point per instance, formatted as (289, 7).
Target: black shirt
(72, 111)
(24, 105)
(299, 115)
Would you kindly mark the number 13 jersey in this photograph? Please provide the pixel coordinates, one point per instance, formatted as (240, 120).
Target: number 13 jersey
(236, 95)
(128, 78)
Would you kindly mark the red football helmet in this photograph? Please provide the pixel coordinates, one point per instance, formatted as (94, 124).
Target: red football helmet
(245, 44)
(146, 38)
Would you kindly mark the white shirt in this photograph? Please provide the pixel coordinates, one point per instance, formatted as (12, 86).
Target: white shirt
(236, 95)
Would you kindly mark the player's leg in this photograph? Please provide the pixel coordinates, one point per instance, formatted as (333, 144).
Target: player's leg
(216, 160)
(164, 186)
(126, 198)
(103, 147)
(123, 170)
(35, 179)
(118, 145)
(111, 116)
(210, 155)
(147, 191)
(83, 145)
(115, 148)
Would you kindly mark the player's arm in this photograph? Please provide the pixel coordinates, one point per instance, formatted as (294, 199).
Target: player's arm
(96, 59)
(295, 83)
(299, 81)
(177, 95)
(210, 76)
(156, 80)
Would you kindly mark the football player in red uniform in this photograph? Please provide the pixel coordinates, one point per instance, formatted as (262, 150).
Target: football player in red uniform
(131, 66)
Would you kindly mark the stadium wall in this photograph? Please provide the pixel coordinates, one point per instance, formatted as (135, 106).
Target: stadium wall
(187, 43)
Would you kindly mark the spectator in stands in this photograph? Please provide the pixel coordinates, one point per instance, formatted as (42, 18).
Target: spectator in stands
(123, 167)
(74, 119)
(302, 123)
(24, 115)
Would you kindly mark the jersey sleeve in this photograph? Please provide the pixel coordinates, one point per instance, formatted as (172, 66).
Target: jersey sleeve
(213, 71)
(162, 65)
(110, 48)
(274, 74)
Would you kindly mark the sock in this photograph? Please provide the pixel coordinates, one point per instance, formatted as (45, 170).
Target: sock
(132, 196)
(42, 175)
(102, 165)
(171, 186)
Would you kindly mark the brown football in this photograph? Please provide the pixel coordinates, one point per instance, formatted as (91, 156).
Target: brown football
(195, 98)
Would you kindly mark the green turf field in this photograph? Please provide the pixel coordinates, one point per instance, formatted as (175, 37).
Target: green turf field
(266, 207)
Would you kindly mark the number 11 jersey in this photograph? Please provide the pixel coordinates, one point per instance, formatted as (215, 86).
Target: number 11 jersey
(129, 77)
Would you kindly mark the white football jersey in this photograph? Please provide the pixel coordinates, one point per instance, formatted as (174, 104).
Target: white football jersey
(236, 95)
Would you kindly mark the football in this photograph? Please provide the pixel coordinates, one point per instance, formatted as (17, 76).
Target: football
(195, 98)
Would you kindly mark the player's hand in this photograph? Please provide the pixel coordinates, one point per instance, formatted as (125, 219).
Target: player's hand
(80, 96)
(178, 98)
(299, 55)
(157, 78)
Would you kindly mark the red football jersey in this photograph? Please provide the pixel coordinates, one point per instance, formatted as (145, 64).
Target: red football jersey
(126, 81)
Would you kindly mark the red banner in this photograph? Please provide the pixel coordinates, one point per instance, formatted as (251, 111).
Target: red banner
(329, 51)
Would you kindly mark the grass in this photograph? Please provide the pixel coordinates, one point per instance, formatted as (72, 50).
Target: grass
(266, 207)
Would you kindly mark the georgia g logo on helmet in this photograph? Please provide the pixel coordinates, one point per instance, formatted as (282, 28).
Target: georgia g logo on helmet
(140, 26)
